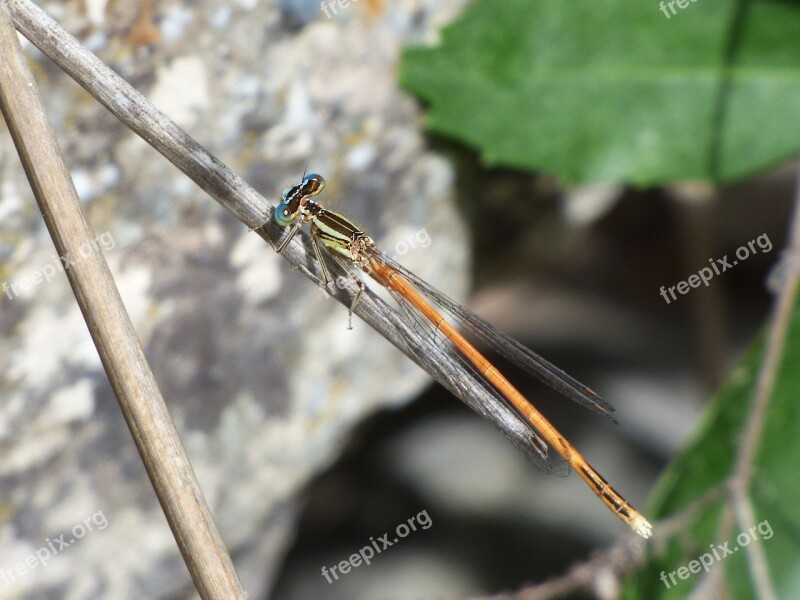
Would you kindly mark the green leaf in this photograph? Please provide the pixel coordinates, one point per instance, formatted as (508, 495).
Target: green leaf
(708, 462)
(616, 91)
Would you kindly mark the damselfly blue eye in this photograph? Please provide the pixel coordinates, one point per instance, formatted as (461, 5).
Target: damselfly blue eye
(283, 216)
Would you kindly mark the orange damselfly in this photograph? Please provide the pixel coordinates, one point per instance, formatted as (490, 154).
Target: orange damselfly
(423, 303)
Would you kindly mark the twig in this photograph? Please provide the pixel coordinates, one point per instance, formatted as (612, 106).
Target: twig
(602, 572)
(739, 508)
(743, 470)
(600, 575)
(221, 183)
(110, 327)
(680, 520)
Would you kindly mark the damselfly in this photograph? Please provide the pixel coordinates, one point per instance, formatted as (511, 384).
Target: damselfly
(422, 303)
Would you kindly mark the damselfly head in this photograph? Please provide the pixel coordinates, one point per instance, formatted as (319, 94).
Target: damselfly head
(294, 198)
(286, 212)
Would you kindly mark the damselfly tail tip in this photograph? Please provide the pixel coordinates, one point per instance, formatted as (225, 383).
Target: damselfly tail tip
(641, 526)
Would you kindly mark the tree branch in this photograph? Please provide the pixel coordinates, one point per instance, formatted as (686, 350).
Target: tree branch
(121, 353)
(222, 184)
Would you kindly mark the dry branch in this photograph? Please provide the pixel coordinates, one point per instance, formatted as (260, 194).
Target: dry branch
(112, 332)
(222, 184)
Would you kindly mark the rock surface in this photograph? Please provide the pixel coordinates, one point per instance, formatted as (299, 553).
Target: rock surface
(262, 377)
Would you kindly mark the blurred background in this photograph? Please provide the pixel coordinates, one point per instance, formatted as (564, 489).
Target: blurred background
(562, 168)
